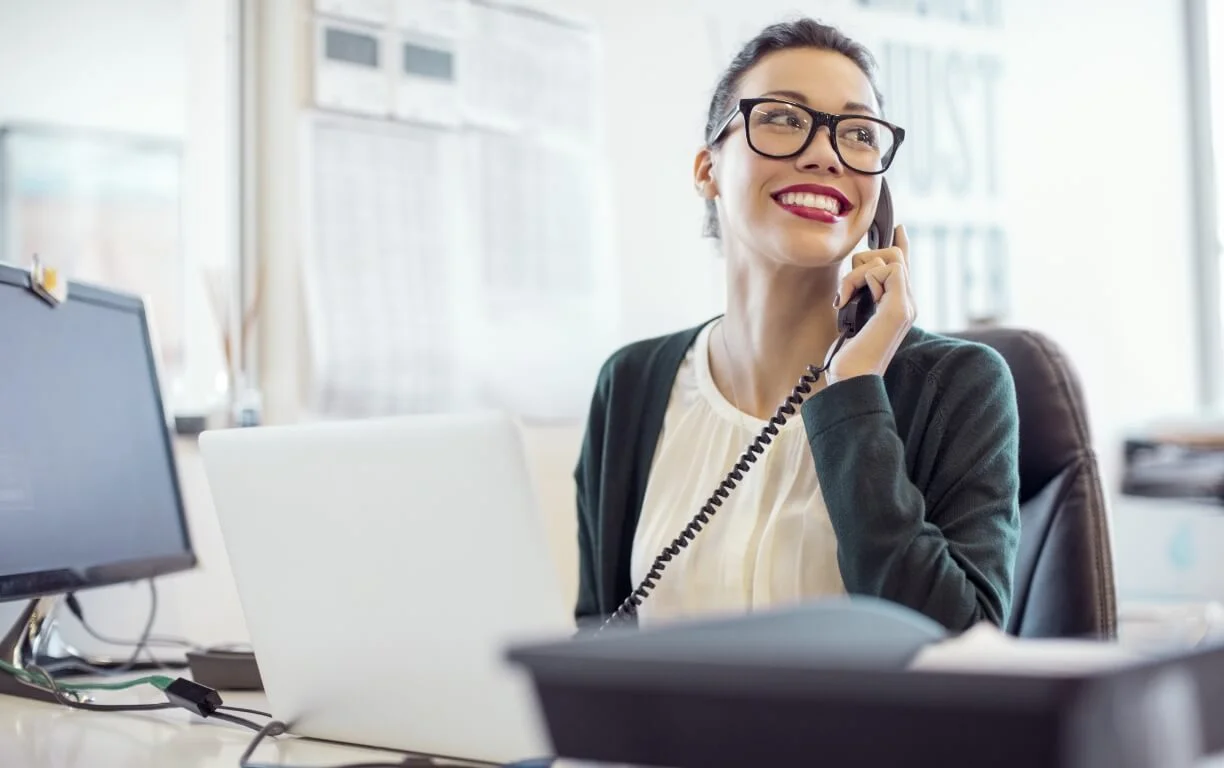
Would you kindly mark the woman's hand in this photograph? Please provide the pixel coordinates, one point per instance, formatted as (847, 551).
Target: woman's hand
(886, 273)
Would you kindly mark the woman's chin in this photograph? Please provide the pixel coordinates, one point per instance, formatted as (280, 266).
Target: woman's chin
(815, 251)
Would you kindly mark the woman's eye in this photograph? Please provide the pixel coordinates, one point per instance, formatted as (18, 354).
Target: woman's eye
(859, 135)
(781, 118)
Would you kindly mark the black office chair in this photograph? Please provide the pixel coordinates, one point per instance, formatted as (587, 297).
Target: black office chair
(1064, 571)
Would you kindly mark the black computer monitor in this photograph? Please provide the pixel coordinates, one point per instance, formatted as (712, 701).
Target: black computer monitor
(89, 492)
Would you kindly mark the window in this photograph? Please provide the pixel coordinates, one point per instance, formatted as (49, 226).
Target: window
(1205, 24)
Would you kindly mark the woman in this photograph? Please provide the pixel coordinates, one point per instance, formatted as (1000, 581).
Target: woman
(900, 479)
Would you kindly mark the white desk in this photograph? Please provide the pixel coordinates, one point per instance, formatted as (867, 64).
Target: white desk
(38, 735)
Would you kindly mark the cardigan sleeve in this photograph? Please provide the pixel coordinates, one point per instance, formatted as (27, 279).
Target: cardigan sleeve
(587, 482)
(948, 549)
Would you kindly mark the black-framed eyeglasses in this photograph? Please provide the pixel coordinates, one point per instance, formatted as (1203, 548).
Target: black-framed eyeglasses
(781, 129)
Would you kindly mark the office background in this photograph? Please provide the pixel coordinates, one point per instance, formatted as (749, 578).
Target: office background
(1079, 135)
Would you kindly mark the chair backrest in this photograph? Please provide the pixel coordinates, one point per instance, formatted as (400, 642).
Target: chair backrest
(1064, 583)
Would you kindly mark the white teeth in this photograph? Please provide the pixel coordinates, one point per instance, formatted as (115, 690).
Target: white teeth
(811, 200)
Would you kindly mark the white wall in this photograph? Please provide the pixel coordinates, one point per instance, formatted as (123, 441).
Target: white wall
(117, 65)
(1105, 274)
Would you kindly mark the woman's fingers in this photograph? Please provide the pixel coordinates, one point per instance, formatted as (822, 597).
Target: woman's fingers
(867, 268)
(857, 278)
(877, 279)
(897, 252)
(887, 255)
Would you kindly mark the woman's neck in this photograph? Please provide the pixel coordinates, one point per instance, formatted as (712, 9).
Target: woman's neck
(777, 324)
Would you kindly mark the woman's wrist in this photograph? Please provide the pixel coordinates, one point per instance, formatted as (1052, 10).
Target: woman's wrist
(833, 375)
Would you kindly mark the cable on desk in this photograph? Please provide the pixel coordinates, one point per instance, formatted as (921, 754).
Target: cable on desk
(73, 665)
(143, 642)
(146, 639)
(45, 678)
(180, 694)
(274, 728)
(219, 715)
(89, 706)
(141, 645)
(146, 642)
(69, 696)
(244, 711)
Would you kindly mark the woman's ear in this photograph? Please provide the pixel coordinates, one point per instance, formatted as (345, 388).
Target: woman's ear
(703, 174)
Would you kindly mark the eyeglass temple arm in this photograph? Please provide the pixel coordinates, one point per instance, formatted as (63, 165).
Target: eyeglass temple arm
(717, 133)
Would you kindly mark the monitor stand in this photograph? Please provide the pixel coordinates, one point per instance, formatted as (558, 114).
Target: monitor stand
(31, 638)
(34, 639)
(19, 647)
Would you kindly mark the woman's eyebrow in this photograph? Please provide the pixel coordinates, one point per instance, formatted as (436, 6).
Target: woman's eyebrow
(792, 95)
(854, 106)
(850, 106)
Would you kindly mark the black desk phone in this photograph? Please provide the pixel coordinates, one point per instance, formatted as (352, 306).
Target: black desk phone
(850, 320)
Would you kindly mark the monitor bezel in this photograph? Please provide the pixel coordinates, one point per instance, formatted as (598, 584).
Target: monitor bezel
(26, 586)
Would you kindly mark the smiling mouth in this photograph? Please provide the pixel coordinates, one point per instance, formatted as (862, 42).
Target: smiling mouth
(812, 205)
(810, 200)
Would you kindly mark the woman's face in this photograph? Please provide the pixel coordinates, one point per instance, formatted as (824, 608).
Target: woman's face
(809, 210)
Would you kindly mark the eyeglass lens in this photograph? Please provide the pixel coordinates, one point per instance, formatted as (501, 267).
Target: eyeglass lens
(778, 129)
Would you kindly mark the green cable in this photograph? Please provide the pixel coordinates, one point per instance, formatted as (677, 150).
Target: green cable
(160, 682)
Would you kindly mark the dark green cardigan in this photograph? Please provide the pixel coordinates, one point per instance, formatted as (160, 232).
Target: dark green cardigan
(919, 471)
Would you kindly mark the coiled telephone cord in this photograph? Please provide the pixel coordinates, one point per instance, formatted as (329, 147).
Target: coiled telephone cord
(795, 399)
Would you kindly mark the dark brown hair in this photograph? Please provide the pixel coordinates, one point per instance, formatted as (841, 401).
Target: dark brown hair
(802, 33)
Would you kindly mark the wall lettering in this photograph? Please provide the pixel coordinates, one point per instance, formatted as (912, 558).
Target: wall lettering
(979, 13)
(947, 177)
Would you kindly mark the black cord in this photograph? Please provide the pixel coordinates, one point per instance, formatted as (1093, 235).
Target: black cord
(219, 715)
(139, 646)
(193, 697)
(272, 728)
(146, 642)
(710, 508)
(90, 707)
(63, 698)
(243, 710)
(73, 665)
(275, 728)
(74, 606)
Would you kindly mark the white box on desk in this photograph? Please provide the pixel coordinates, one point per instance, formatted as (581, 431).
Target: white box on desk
(1168, 550)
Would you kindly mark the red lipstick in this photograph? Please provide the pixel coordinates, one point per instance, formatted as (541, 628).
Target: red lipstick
(814, 213)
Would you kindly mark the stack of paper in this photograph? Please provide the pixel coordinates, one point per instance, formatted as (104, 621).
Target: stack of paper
(985, 648)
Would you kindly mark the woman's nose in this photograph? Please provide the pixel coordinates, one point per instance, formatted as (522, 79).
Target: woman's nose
(820, 154)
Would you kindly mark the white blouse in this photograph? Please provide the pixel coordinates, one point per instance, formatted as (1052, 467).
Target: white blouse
(770, 543)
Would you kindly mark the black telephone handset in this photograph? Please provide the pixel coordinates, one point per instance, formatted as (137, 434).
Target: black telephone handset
(851, 318)
(861, 305)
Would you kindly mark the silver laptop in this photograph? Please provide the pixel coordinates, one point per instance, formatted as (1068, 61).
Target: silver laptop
(384, 567)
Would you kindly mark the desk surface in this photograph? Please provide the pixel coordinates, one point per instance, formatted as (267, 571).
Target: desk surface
(34, 734)
(38, 735)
